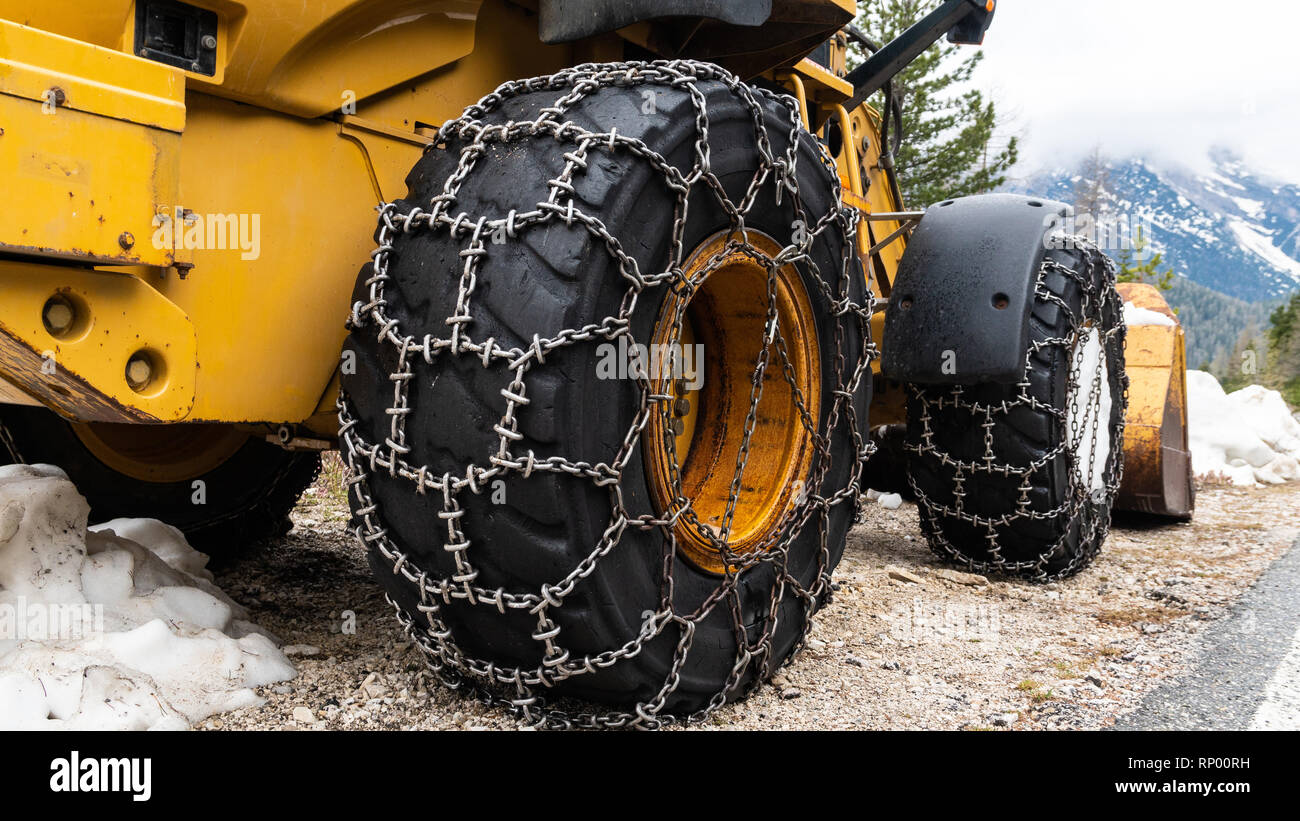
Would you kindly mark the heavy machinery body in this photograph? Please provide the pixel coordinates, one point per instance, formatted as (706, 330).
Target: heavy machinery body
(263, 165)
(194, 185)
(188, 182)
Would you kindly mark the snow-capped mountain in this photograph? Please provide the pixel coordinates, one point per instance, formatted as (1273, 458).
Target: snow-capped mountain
(1231, 229)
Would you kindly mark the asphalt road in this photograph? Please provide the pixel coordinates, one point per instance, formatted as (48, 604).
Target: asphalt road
(1247, 676)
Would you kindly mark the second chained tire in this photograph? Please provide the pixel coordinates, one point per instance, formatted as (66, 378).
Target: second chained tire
(526, 532)
(1004, 481)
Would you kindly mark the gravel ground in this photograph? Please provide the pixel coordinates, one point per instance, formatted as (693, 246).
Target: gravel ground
(905, 644)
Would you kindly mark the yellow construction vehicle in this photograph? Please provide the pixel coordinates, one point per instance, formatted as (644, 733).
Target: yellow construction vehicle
(640, 279)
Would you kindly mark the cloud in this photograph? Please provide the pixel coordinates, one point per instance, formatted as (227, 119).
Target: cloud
(1163, 79)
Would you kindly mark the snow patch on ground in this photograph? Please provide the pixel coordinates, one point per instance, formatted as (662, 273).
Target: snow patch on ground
(1248, 436)
(889, 501)
(118, 626)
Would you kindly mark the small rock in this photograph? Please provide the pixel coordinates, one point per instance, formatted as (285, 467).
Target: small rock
(856, 661)
(1004, 719)
(1150, 628)
(958, 577)
(891, 665)
(1166, 595)
(890, 501)
(791, 692)
(816, 644)
(896, 572)
(302, 715)
(1094, 678)
(300, 650)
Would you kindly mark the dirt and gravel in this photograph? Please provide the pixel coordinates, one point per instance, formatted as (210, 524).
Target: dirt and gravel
(906, 643)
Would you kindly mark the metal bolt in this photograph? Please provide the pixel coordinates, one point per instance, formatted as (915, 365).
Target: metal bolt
(56, 96)
(126, 240)
(209, 42)
(682, 406)
(59, 316)
(676, 426)
(139, 371)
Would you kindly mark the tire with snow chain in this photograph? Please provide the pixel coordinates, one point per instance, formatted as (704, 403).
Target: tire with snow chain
(1021, 478)
(501, 480)
(127, 470)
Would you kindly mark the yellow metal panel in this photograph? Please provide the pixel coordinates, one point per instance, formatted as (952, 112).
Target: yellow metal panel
(92, 79)
(90, 137)
(507, 48)
(268, 306)
(82, 372)
(1156, 460)
(825, 86)
(92, 21)
(90, 185)
(269, 320)
(307, 59)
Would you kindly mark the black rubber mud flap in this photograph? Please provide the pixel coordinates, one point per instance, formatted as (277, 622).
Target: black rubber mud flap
(959, 309)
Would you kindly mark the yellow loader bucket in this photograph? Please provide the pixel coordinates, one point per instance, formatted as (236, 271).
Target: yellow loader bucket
(1157, 463)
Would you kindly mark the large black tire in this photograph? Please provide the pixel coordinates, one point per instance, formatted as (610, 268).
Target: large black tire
(246, 498)
(999, 480)
(557, 277)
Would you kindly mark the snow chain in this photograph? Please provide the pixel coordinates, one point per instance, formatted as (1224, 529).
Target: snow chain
(521, 690)
(1092, 505)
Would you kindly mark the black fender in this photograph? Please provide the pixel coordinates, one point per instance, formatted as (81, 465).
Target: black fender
(959, 307)
(563, 21)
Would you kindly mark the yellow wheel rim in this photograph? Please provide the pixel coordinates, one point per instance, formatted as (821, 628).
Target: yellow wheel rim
(160, 453)
(724, 319)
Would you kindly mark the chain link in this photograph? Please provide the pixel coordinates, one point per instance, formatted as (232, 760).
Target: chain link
(520, 689)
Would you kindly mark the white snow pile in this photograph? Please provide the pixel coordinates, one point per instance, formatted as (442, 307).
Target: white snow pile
(889, 501)
(115, 627)
(1133, 315)
(1248, 436)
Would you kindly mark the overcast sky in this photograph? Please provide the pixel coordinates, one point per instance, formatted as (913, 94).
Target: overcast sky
(1165, 78)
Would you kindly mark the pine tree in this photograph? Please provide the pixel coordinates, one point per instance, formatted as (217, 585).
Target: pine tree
(1133, 269)
(1283, 369)
(949, 128)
